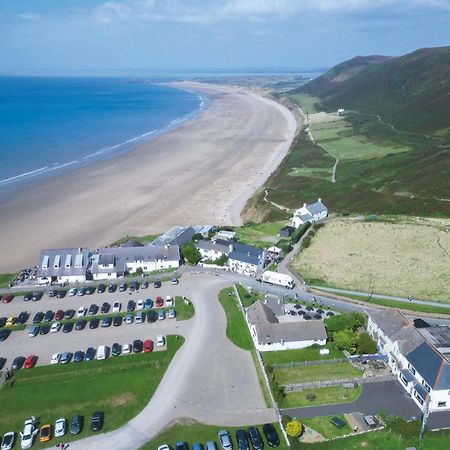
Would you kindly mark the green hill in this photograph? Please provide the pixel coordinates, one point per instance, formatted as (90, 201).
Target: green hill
(411, 92)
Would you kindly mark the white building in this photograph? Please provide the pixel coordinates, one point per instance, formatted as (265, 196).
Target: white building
(63, 265)
(270, 335)
(419, 357)
(309, 213)
(214, 249)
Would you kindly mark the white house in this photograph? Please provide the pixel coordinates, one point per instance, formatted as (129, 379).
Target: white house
(419, 357)
(214, 249)
(270, 335)
(309, 213)
(246, 259)
(63, 265)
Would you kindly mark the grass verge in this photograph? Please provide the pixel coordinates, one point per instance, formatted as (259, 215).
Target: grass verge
(323, 426)
(5, 278)
(248, 298)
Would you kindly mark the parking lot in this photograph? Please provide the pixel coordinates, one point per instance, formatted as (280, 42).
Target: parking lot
(44, 346)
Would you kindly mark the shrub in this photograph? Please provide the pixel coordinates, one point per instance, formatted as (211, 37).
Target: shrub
(346, 340)
(294, 428)
(341, 322)
(299, 232)
(365, 344)
(190, 253)
(139, 271)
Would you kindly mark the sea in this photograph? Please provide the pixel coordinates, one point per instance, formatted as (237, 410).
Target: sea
(50, 125)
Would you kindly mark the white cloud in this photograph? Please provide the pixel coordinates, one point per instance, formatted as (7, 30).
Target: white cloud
(30, 16)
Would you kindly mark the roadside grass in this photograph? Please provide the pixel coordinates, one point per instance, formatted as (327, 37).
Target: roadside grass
(5, 278)
(119, 386)
(324, 396)
(184, 311)
(308, 103)
(323, 426)
(264, 234)
(305, 354)
(319, 372)
(248, 298)
(191, 432)
(237, 330)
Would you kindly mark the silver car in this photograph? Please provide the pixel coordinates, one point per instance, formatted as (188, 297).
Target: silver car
(225, 440)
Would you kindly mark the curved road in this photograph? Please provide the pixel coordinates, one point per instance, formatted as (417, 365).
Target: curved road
(209, 379)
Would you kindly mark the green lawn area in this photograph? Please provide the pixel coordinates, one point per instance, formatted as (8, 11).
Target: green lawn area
(312, 172)
(5, 278)
(304, 354)
(192, 432)
(248, 298)
(119, 386)
(306, 102)
(261, 234)
(319, 372)
(323, 426)
(237, 330)
(184, 311)
(325, 395)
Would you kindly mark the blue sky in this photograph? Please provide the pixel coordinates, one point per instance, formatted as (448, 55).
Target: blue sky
(92, 36)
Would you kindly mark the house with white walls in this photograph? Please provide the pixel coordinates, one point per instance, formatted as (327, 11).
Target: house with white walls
(309, 213)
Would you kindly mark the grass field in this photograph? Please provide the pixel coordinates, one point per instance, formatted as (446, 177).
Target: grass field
(5, 278)
(323, 426)
(324, 396)
(237, 330)
(120, 387)
(304, 354)
(184, 311)
(401, 258)
(320, 372)
(191, 432)
(307, 102)
(262, 235)
(248, 298)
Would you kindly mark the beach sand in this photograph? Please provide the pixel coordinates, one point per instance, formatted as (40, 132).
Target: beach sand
(200, 173)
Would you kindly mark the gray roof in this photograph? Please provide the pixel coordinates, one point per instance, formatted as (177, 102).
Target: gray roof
(132, 243)
(317, 207)
(176, 235)
(106, 259)
(268, 333)
(63, 262)
(431, 365)
(246, 253)
(260, 313)
(390, 321)
(219, 245)
(306, 217)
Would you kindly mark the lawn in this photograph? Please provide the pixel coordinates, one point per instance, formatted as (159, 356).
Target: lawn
(248, 298)
(404, 258)
(184, 311)
(191, 432)
(304, 354)
(262, 235)
(5, 278)
(119, 386)
(324, 396)
(237, 330)
(318, 372)
(306, 102)
(323, 426)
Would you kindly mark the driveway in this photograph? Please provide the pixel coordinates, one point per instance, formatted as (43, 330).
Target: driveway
(384, 396)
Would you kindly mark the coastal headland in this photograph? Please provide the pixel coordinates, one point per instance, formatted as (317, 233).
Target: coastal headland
(202, 172)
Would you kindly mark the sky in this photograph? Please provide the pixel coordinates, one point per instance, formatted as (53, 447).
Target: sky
(149, 36)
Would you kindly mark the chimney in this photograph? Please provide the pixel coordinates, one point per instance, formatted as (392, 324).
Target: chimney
(319, 200)
(304, 205)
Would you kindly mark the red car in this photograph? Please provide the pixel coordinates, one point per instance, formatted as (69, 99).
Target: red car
(148, 346)
(59, 315)
(30, 362)
(7, 298)
(159, 302)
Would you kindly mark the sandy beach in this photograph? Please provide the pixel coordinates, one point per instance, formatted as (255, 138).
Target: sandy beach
(200, 173)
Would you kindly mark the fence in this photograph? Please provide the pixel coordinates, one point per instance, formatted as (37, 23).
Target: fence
(307, 363)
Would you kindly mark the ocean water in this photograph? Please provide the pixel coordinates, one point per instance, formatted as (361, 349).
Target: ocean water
(51, 125)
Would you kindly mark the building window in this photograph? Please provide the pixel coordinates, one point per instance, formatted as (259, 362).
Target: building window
(404, 381)
(411, 368)
(419, 398)
(442, 404)
(426, 385)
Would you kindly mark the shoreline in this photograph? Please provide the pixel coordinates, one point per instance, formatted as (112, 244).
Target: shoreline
(202, 172)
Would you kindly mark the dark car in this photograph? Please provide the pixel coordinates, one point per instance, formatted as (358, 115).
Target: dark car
(255, 438)
(97, 421)
(4, 334)
(106, 322)
(116, 349)
(157, 284)
(80, 324)
(144, 285)
(307, 317)
(137, 346)
(131, 306)
(76, 424)
(148, 304)
(61, 293)
(45, 329)
(297, 306)
(49, 316)
(123, 287)
(93, 324)
(181, 445)
(59, 315)
(81, 292)
(134, 286)
(78, 356)
(69, 314)
(241, 439)
(2, 362)
(90, 290)
(38, 317)
(90, 354)
(112, 288)
(105, 308)
(27, 297)
(309, 308)
(117, 321)
(101, 288)
(152, 316)
(93, 309)
(36, 296)
(271, 435)
(2, 322)
(22, 317)
(330, 313)
(67, 327)
(317, 316)
(18, 363)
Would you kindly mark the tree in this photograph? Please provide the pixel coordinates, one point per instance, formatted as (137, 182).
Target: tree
(365, 344)
(139, 271)
(190, 253)
(358, 319)
(196, 237)
(341, 322)
(294, 428)
(346, 340)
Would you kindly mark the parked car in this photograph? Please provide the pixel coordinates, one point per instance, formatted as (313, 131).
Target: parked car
(131, 305)
(211, 445)
(117, 321)
(55, 358)
(148, 346)
(225, 440)
(101, 288)
(93, 309)
(44, 329)
(271, 435)
(112, 288)
(105, 308)
(2, 322)
(90, 354)
(51, 293)
(152, 316)
(59, 315)
(46, 433)
(97, 421)
(76, 424)
(4, 334)
(67, 327)
(37, 295)
(140, 305)
(81, 292)
(10, 321)
(126, 349)
(66, 357)
(2, 362)
(38, 317)
(197, 446)
(18, 363)
(78, 356)
(157, 284)
(72, 292)
(117, 306)
(171, 314)
(27, 435)
(80, 324)
(8, 298)
(159, 302)
(134, 286)
(94, 323)
(139, 317)
(90, 290)
(26, 298)
(116, 349)
(61, 293)
(56, 326)
(137, 346)
(169, 300)
(144, 285)
(22, 317)
(161, 314)
(8, 440)
(160, 341)
(129, 318)
(181, 445)
(81, 311)
(174, 280)
(30, 362)
(69, 314)
(49, 316)
(106, 322)
(123, 287)
(148, 304)
(102, 352)
(33, 331)
(255, 438)
(60, 427)
(241, 439)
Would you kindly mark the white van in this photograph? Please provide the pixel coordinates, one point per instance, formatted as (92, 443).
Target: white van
(102, 352)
